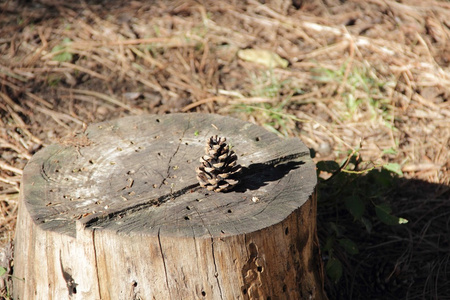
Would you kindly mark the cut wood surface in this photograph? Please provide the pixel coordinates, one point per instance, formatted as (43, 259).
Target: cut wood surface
(117, 213)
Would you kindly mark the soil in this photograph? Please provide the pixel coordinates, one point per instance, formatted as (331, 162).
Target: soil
(366, 77)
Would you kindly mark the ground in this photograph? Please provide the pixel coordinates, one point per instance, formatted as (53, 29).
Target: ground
(365, 84)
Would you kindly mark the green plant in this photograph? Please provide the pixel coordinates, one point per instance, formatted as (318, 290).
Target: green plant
(7, 294)
(272, 114)
(361, 91)
(354, 194)
(273, 117)
(267, 84)
(63, 51)
(54, 79)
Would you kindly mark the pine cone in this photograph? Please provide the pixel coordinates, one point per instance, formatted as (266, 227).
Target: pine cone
(219, 166)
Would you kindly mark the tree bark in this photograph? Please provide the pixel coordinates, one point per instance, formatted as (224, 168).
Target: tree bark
(117, 213)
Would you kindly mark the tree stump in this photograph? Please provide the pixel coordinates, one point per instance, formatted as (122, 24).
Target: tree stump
(117, 213)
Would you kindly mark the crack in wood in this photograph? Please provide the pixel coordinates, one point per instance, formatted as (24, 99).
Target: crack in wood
(164, 261)
(98, 220)
(175, 153)
(96, 263)
(216, 274)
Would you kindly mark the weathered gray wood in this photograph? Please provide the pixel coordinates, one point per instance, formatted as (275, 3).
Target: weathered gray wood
(117, 213)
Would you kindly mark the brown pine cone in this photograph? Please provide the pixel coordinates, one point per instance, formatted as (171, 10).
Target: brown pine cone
(219, 167)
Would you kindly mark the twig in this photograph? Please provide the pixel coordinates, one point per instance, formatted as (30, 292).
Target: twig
(10, 181)
(200, 102)
(20, 123)
(40, 100)
(22, 152)
(103, 97)
(7, 167)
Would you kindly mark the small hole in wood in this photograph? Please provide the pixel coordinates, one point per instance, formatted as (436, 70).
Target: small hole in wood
(186, 143)
(229, 211)
(74, 290)
(259, 269)
(257, 139)
(244, 291)
(269, 298)
(91, 161)
(188, 208)
(56, 171)
(157, 121)
(187, 218)
(222, 231)
(286, 231)
(203, 293)
(134, 283)
(159, 154)
(284, 288)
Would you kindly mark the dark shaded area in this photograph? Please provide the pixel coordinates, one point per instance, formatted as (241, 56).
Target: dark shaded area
(257, 175)
(391, 261)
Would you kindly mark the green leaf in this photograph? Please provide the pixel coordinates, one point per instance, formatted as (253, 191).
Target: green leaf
(381, 178)
(2, 271)
(349, 246)
(355, 206)
(334, 269)
(335, 228)
(329, 243)
(329, 166)
(367, 223)
(402, 221)
(390, 151)
(394, 168)
(383, 212)
(196, 133)
(65, 55)
(66, 41)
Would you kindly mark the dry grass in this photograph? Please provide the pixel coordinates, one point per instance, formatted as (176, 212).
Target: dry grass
(370, 73)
